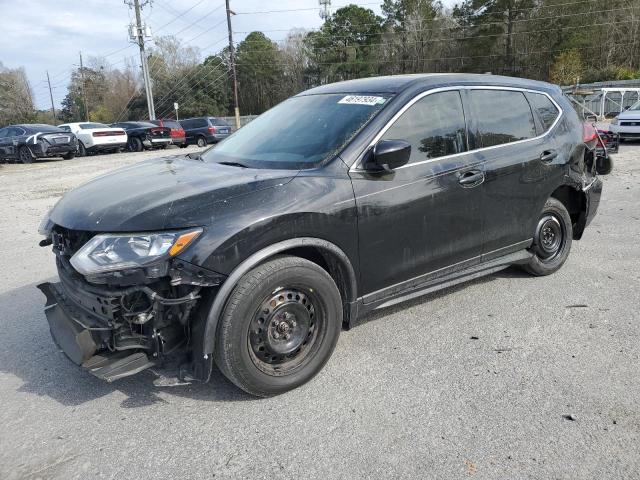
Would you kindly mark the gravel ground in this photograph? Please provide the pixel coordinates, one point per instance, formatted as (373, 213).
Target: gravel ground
(504, 377)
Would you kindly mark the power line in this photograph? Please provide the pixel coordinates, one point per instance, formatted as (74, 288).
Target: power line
(304, 9)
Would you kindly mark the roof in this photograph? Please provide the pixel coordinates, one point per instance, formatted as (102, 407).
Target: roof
(397, 83)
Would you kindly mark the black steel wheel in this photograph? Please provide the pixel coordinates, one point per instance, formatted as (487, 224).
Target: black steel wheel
(279, 327)
(24, 155)
(551, 239)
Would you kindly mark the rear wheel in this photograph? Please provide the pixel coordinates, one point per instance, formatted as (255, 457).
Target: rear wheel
(135, 145)
(202, 142)
(551, 240)
(24, 155)
(279, 327)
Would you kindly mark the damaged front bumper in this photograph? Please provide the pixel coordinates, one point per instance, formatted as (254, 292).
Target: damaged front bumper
(114, 332)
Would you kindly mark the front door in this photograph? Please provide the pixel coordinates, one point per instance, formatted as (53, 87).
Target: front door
(424, 219)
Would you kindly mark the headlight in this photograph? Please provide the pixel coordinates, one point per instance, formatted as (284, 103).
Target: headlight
(614, 121)
(46, 225)
(111, 252)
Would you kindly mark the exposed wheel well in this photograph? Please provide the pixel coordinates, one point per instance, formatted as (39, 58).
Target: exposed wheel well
(334, 267)
(575, 201)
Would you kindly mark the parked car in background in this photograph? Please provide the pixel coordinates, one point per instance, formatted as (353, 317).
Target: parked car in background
(96, 137)
(627, 123)
(205, 130)
(344, 199)
(178, 136)
(28, 142)
(144, 135)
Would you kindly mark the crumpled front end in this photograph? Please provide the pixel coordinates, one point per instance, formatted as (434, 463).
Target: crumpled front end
(119, 323)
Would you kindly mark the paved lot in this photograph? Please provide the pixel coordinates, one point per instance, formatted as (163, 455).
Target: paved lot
(410, 394)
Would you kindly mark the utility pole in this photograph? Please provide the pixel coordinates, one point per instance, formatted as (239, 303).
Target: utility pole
(53, 107)
(138, 33)
(232, 61)
(84, 92)
(325, 9)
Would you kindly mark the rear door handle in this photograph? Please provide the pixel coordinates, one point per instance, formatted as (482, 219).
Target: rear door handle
(548, 155)
(471, 178)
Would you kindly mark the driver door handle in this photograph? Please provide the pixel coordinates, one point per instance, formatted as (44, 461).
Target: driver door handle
(471, 178)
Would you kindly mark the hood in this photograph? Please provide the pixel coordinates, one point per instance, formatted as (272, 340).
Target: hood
(629, 114)
(160, 194)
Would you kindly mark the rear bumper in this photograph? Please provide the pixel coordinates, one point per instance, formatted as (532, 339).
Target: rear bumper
(156, 142)
(44, 151)
(106, 146)
(178, 140)
(593, 193)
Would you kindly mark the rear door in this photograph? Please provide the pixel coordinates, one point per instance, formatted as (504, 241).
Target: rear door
(521, 164)
(421, 221)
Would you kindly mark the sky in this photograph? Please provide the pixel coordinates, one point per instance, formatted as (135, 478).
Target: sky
(50, 34)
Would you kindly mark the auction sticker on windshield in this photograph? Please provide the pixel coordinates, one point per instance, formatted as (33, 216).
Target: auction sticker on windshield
(362, 100)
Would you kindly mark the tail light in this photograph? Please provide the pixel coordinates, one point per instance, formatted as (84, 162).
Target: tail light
(212, 129)
(110, 133)
(589, 134)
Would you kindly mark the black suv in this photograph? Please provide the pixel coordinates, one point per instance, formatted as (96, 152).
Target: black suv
(343, 199)
(203, 131)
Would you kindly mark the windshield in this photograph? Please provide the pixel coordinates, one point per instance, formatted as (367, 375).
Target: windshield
(298, 133)
(635, 106)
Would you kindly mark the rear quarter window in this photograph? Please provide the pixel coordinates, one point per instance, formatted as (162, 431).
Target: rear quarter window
(501, 116)
(544, 108)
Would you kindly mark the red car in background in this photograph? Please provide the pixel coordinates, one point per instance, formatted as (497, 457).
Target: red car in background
(178, 135)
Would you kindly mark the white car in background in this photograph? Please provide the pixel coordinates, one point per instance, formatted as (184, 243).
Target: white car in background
(627, 123)
(96, 137)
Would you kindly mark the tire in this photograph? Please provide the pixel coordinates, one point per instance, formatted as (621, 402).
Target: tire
(183, 145)
(279, 327)
(135, 145)
(24, 155)
(82, 151)
(201, 142)
(551, 240)
(69, 156)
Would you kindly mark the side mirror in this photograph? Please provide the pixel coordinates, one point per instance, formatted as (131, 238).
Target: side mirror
(388, 155)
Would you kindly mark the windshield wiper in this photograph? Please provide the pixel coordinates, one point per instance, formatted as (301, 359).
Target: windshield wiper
(234, 164)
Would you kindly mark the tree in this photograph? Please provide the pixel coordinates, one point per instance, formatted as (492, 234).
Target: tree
(345, 45)
(260, 73)
(567, 68)
(16, 97)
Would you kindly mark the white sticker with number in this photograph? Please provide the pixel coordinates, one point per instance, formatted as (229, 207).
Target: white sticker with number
(362, 100)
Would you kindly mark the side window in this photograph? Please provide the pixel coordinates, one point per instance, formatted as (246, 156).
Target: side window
(202, 122)
(434, 126)
(66, 128)
(4, 132)
(501, 116)
(186, 123)
(545, 109)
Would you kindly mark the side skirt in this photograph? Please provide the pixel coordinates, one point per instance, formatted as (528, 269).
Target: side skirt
(365, 305)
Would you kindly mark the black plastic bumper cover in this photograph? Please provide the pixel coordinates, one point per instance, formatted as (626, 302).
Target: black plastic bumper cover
(72, 338)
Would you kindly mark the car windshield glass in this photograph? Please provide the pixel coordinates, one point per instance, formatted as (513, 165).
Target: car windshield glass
(88, 126)
(635, 106)
(142, 124)
(218, 122)
(171, 124)
(298, 133)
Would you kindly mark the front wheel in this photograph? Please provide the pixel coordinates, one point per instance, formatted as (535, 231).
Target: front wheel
(551, 240)
(82, 151)
(69, 156)
(279, 327)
